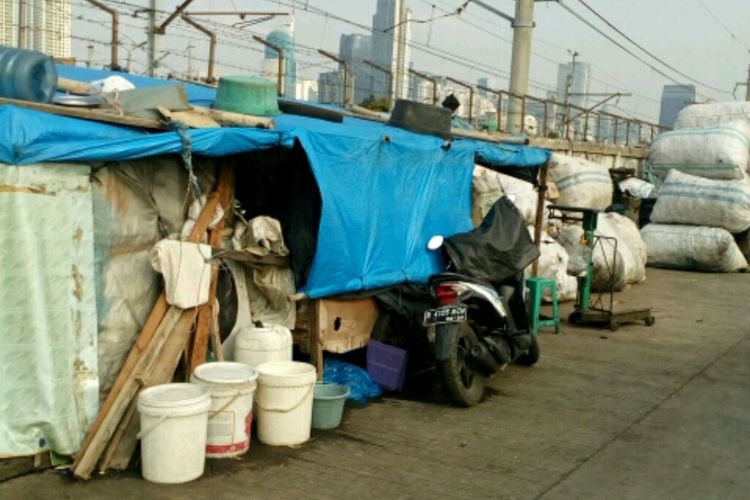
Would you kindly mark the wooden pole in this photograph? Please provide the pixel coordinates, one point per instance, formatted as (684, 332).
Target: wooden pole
(539, 215)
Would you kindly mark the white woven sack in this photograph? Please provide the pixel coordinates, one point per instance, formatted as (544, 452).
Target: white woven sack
(553, 264)
(581, 183)
(716, 152)
(621, 264)
(716, 113)
(693, 248)
(686, 199)
(488, 186)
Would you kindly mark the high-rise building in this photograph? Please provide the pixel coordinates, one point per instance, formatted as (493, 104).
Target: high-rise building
(391, 23)
(355, 49)
(282, 37)
(673, 99)
(45, 25)
(577, 77)
(485, 82)
(331, 86)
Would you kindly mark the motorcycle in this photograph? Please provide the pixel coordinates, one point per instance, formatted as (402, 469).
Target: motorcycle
(481, 322)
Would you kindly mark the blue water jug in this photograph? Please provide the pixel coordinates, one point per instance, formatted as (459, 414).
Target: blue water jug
(27, 75)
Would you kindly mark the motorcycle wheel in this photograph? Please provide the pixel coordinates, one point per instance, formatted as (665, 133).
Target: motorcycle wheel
(532, 355)
(464, 385)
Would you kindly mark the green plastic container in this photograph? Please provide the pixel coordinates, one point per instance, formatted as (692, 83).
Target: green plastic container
(328, 405)
(248, 95)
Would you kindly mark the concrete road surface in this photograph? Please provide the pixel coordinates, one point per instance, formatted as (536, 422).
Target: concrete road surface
(641, 413)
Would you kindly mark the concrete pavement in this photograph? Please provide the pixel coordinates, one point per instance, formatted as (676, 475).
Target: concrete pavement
(641, 413)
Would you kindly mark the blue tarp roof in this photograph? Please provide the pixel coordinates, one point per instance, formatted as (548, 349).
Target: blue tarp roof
(385, 191)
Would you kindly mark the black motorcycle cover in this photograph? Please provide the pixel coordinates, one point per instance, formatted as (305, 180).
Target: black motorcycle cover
(500, 248)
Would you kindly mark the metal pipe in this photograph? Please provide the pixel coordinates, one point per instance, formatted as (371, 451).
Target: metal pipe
(163, 27)
(114, 64)
(210, 77)
(387, 72)
(346, 98)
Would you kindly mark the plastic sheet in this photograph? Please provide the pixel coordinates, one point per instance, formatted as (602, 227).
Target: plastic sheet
(360, 384)
(498, 249)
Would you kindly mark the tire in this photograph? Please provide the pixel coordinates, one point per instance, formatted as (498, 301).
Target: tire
(464, 385)
(532, 355)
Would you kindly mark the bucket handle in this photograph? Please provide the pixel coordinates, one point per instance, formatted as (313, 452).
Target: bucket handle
(293, 407)
(144, 432)
(213, 413)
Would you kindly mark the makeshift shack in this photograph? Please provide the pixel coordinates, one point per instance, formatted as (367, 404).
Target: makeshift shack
(83, 203)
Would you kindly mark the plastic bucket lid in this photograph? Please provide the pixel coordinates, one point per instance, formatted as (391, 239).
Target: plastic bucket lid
(175, 399)
(225, 372)
(286, 373)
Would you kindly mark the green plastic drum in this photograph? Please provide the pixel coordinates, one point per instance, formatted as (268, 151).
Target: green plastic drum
(248, 95)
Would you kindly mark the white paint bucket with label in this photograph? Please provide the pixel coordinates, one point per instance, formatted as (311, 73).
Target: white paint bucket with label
(232, 388)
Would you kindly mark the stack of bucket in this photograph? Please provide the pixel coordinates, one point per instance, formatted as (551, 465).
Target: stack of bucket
(182, 424)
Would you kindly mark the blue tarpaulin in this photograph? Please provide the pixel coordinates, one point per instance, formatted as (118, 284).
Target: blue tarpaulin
(385, 191)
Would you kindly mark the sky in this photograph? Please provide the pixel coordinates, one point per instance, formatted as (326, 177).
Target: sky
(706, 40)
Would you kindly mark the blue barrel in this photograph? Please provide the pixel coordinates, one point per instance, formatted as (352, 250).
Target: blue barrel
(27, 75)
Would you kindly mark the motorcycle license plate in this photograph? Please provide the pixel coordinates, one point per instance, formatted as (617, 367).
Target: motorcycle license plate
(446, 314)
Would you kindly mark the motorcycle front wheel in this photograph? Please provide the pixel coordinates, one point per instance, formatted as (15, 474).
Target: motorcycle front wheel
(464, 385)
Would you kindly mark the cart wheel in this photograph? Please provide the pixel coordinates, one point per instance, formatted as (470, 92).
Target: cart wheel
(614, 325)
(650, 321)
(574, 318)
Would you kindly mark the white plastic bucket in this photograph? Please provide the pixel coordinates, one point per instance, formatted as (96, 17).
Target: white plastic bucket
(174, 418)
(255, 346)
(232, 387)
(285, 401)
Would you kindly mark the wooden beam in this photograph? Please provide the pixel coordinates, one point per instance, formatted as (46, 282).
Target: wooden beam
(86, 114)
(124, 388)
(199, 344)
(160, 372)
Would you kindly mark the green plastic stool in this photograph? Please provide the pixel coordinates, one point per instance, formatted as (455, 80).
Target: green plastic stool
(536, 288)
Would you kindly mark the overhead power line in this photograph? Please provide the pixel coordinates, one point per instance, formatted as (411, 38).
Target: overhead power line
(621, 46)
(646, 51)
(735, 38)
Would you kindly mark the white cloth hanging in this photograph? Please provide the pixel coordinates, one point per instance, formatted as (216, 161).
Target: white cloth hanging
(186, 268)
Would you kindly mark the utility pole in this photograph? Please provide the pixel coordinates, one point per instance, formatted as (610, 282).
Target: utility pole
(568, 88)
(152, 37)
(399, 51)
(21, 24)
(523, 25)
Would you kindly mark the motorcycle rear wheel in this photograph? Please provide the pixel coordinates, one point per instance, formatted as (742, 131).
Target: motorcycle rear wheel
(464, 385)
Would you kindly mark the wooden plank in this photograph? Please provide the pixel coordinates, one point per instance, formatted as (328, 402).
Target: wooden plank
(160, 372)
(74, 86)
(199, 344)
(86, 114)
(189, 118)
(317, 324)
(250, 258)
(11, 467)
(117, 401)
(235, 119)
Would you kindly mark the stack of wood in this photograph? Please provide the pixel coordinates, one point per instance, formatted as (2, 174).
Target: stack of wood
(168, 334)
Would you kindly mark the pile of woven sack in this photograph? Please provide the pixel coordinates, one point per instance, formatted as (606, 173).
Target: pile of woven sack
(701, 217)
